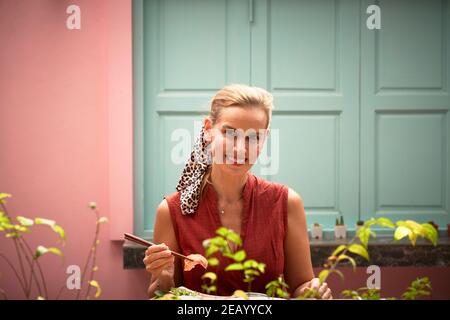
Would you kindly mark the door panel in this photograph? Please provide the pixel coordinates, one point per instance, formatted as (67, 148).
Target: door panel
(360, 125)
(306, 54)
(404, 103)
(191, 49)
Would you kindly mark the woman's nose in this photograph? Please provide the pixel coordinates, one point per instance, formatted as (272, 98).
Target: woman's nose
(239, 149)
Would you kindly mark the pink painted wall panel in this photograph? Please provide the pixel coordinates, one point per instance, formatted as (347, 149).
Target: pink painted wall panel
(57, 90)
(54, 124)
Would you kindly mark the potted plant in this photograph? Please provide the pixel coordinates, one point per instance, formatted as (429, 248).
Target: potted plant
(340, 230)
(317, 231)
(359, 225)
(435, 225)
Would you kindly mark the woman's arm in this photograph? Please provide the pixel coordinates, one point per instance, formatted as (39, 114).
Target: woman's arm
(164, 233)
(299, 273)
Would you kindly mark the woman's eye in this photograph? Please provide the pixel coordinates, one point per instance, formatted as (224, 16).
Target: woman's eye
(231, 133)
(253, 138)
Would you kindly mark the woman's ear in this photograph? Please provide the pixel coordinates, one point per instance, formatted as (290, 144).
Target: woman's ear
(207, 125)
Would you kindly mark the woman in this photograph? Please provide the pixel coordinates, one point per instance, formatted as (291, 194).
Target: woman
(216, 189)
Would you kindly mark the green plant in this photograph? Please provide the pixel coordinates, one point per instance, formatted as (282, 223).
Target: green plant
(211, 287)
(29, 273)
(220, 244)
(408, 228)
(360, 223)
(340, 221)
(402, 229)
(362, 294)
(278, 287)
(419, 287)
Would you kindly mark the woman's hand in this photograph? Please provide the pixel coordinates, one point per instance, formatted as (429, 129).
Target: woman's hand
(158, 258)
(323, 292)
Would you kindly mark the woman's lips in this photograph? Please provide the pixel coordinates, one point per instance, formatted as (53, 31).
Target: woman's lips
(234, 161)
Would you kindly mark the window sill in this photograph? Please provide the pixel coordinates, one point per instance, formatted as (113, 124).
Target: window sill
(383, 251)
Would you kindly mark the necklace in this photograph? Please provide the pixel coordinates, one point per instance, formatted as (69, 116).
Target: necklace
(222, 211)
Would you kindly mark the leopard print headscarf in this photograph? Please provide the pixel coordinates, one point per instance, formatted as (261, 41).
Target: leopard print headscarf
(191, 179)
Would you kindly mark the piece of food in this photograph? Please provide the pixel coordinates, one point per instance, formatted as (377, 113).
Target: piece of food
(197, 259)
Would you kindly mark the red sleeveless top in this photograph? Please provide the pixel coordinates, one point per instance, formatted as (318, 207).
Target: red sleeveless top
(263, 230)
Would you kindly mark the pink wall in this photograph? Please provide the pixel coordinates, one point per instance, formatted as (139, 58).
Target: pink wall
(394, 280)
(59, 93)
(65, 116)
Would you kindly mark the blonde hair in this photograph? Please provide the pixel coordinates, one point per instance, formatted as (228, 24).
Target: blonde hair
(239, 95)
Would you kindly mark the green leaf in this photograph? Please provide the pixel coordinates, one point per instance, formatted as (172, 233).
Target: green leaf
(3, 218)
(212, 289)
(240, 255)
(97, 286)
(430, 233)
(412, 237)
(234, 266)
(359, 250)
(338, 249)
(250, 264)
(228, 255)
(364, 234)
(20, 228)
(12, 235)
(251, 272)
(323, 275)
(261, 267)
(210, 275)
(60, 231)
(211, 250)
(25, 221)
(370, 222)
(401, 232)
(234, 237)
(40, 250)
(222, 231)
(240, 294)
(8, 226)
(3, 197)
(47, 222)
(345, 257)
(385, 222)
(213, 262)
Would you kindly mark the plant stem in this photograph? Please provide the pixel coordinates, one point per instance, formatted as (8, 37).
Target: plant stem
(334, 264)
(83, 274)
(14, 270)
(4, 294)
(19, 256)
(35, 261)
(30, 265)
(60, 291)
(94, 250)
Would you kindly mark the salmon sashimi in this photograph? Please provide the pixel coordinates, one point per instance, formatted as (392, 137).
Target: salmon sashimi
(198, 259)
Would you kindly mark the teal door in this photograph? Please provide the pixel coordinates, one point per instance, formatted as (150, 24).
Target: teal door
(405, 102)
(360, 115)
(306, 54)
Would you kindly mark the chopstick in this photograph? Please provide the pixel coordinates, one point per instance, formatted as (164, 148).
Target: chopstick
(145, 243)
